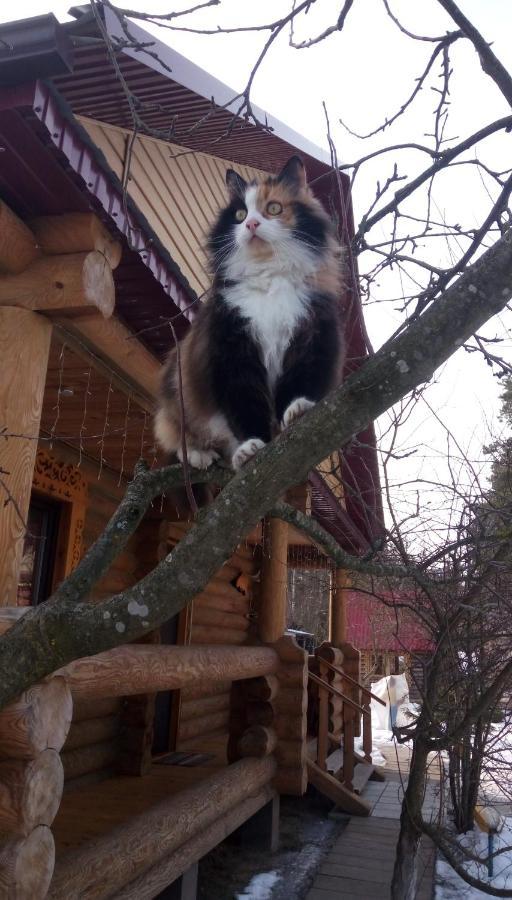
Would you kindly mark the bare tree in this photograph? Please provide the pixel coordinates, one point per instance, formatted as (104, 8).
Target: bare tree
(445, 299)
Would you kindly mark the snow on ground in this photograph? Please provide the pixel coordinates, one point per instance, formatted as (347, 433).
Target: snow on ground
(260, 886)
(449, 886)
(496, 781)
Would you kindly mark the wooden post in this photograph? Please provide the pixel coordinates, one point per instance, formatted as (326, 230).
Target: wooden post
(24, 347)
(274, 582)
(338, 616)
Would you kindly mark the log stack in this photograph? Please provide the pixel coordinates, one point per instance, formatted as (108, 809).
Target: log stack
(334, 656)
(268, 715)
(221, 614)
(33, 730)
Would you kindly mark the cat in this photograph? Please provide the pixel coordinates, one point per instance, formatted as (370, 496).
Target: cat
(268, 342)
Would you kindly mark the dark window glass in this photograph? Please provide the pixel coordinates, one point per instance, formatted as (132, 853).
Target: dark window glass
(39, 550)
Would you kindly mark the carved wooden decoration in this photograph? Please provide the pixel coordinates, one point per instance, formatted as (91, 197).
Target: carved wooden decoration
(65, 482)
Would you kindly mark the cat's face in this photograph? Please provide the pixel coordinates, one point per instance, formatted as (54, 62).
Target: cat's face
(275, 222)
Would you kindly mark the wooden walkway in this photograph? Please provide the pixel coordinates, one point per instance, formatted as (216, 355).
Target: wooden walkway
(360, 864)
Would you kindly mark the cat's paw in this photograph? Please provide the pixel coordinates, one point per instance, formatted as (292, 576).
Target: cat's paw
(198, 459)
(296, 409)
(245, 451)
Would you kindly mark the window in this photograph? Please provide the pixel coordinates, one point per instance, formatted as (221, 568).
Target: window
(39, 550)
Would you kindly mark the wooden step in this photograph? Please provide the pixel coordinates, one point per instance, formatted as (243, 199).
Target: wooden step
(362, 774)
(344, 799)
(377, 774)
(334, 761)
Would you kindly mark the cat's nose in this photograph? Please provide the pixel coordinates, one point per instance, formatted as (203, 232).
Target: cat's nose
(252, 225)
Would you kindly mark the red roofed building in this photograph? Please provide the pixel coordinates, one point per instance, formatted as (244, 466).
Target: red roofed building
(391, 638)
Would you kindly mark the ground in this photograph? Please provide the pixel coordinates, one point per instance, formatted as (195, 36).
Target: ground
(306, 836)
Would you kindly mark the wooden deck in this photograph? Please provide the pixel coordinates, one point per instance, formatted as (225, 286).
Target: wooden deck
(94, 810)
(360, 864)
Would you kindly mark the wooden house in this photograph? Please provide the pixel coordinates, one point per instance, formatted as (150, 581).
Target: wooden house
(390, 639)
(121, 771)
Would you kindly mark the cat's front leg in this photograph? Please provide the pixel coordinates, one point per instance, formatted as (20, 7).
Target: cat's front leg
(295, 410)
(245, 451)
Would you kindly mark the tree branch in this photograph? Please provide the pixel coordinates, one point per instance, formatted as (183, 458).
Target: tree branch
(488, 60)
(57, 632)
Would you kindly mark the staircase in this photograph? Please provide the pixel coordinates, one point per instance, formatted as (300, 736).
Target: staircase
(337, 703)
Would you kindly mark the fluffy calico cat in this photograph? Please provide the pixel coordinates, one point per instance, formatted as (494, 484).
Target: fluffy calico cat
(268, 342)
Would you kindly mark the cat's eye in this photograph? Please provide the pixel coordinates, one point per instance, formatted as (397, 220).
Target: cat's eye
(274, 208)
(240, 215)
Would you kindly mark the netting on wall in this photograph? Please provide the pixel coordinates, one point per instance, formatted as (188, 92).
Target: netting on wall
(90, 408)
(309, 590)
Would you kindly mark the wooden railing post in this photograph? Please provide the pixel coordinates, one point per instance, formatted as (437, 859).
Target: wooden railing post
(367, 726)
(323, 723)
(349, 718)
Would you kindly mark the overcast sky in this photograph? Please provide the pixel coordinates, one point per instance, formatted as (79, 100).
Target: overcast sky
(362, 75)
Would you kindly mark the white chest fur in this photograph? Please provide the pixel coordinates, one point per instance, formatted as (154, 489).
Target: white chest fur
(274, 307)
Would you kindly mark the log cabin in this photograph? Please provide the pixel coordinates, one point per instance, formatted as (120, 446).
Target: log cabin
(120, 772)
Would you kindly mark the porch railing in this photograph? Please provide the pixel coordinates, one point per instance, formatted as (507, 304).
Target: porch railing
(326, 739)
(266, 752)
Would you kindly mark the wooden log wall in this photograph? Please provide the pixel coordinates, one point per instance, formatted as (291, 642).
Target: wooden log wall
(221, 614)
(335, 705)
(268, 715)
(32, 732)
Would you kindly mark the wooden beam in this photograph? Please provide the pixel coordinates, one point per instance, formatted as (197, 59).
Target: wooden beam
(152, 882)
(26, 865)
(92, 731)
(24, 348)
(346, 800)
(18, 245)
(36, 721)
(76, 233)
(274, 582)
(92, 758)
(142, 668)
(102, 867)
(66, 284)
(120, 350)
(30, 792)
(338, 608)
(257, 740)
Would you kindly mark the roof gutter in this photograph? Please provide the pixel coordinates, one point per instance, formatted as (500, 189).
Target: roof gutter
(33, 48)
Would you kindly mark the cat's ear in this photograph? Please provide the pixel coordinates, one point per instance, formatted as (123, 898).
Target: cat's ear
(293, 174)
(236, 184)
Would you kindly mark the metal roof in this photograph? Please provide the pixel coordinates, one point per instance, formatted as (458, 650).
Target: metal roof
(373, 625)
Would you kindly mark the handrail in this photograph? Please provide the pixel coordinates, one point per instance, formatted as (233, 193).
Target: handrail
(333, 690)
(350, 679)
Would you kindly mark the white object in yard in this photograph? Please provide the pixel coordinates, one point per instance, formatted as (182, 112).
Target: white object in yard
(394, 691)
(260, 886)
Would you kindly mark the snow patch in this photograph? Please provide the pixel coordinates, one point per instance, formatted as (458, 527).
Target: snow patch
(260, 887)
(449, 886)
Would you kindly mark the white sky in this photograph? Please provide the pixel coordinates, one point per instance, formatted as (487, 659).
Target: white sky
(362, 75)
